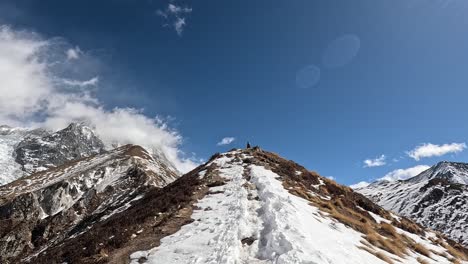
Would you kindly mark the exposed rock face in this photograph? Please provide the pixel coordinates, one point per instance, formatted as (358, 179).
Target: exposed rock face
(26, 151)
(49, 207)
(437, 198)
(36, 154)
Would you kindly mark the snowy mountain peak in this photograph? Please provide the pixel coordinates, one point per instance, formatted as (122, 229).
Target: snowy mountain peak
(454, 172)
(436, 198)
(26, 151)
(4, 129)
(79, 129)
(36, 154)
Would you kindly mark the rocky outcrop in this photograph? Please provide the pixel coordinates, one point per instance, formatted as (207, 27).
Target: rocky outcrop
(36, 154)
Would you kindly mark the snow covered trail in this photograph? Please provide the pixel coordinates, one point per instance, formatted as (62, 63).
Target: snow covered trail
(282, 228)
(224, 217)
(295, 232)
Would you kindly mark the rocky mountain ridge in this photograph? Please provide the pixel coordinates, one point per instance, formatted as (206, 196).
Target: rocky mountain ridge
(26, 151)
(436, 198)
(48, 207)
(76, 141)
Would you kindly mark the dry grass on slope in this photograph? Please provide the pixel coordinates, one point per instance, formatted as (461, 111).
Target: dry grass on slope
(395, 246)
(421, 249)
(352, 209)
(422, 261)
(378, 254)
(408, 226)
(456, 252)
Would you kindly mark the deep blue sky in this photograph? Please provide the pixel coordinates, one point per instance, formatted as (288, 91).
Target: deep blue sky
(233, 70)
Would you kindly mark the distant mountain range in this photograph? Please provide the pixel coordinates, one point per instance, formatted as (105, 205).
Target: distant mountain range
(437, 198)
(27, 151)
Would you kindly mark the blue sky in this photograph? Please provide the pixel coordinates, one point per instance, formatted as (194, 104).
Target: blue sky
(328, 84)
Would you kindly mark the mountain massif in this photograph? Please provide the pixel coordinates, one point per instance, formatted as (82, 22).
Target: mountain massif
(25, 151)
(437, 198)
(244, 206)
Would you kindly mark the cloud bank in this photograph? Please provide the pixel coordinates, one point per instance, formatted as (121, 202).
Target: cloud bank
(431, 150)
(377, 162)
(44, 85)
(403, 174)
(226, 141)
(359, 185)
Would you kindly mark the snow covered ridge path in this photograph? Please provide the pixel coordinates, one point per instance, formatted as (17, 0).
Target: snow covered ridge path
(252, 218)
(243, 206)
(280, 227)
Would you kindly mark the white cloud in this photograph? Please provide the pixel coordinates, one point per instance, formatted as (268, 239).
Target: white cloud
(175, 16)
(34, 94)
(226, 141)
(91, 82)
(399, 174)
(431, 150)
(179, 25)
(377, 162)
(178, 9)
(123, 125)
(359, 185)
(403, 174)
(73, 53)
(161, 13)
(24, 83)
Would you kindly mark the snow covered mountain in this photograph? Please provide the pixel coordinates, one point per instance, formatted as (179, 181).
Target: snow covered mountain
(24, 151)
(27, 151)
(49, 207)
(36, 154)
(437, 198)
(243, 206)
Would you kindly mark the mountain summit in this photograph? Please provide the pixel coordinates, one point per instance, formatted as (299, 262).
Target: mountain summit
(36, 154)
(454, 172)
(26, 151)
(436, 198)
(242, 206)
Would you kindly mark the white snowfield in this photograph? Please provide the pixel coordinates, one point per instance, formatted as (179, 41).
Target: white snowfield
(283, 228)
